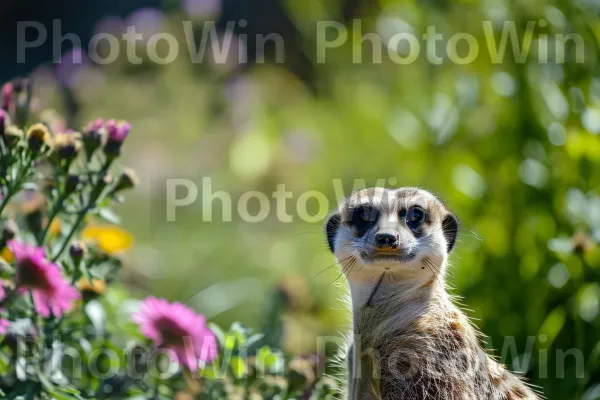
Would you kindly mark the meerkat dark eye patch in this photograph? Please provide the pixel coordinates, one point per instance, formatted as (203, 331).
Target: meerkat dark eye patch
(450, 229)
(362, 218)
(331, 228)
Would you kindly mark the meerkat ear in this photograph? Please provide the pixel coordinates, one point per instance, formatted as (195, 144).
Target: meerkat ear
(450, 228)
(331, 228)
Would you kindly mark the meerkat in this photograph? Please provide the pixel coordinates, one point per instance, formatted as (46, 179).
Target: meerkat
(409, 340)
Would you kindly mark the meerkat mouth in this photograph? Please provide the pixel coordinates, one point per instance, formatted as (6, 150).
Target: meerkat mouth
(388, 256)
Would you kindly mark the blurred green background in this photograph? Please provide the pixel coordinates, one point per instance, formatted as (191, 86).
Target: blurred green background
(513, 148)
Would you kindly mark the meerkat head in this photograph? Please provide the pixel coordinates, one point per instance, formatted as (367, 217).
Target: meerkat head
(407, 232)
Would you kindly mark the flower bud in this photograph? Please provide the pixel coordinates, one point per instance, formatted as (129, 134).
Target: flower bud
(139, 360)
(9, 230)
(71, 184)
(18, 85)
(127, 180)
(93, 135)
(91, 290)
(581, 243)
(12, 136)
(2, 123)
(34, 210)
(117, 133)
(66, 147)
(326, 386)
(77, 251)
(22, 90)
(301, 374)
(38, 137)
(7, 96)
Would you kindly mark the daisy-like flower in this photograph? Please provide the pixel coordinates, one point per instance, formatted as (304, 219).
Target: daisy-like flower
(66, 146)
(93, 135)
(38, 137)
(51, 293)
(177, 328)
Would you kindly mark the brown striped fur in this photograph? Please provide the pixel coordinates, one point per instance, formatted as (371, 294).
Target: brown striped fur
(409, 341)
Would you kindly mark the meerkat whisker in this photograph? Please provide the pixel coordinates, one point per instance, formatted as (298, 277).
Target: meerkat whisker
(345, 270)
(332, 265)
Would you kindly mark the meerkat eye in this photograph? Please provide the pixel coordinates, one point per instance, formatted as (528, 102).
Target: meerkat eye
(363, 217)
(367, 214)
(415, 216)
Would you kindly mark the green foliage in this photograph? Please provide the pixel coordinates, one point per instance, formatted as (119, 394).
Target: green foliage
(65, 325)
(511, 147)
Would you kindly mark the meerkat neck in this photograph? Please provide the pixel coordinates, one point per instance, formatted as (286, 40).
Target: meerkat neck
(391, 301)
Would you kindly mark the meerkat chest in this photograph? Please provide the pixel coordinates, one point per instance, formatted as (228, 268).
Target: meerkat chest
(428, 355)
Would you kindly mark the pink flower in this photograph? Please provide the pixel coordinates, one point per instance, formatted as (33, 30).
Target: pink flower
(96, 125)
(117, 131)
(51, 293)
(4, 324)
(177, 328)
(7, 95)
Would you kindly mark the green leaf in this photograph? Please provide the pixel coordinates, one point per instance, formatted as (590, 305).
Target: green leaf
(97, 316)
(219, 334)
(65, 393)
(238, 367)
(254, 342)
(109, 215)
(552, 326)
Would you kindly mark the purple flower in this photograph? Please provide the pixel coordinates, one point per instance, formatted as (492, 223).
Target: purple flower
(51, 292)
(4, 324)
(111, 24)
(96, 125)
(202, 8)
(117, 131)
(177, 328)
(70, 66)
(7, 95)
(146, 21)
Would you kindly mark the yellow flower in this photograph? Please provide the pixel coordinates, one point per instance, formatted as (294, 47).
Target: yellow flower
(7, 255)
(91, 289)
(55, 227)
(67, 145)
(109, 238)
(38, 136)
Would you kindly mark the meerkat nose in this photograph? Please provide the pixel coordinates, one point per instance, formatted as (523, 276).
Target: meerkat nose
(386, 240)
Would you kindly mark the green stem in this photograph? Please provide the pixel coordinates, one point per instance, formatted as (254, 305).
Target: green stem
(8, 297)
(5, 200)
(55, 210)
(74, 228)
(95, 195)
(17, 185)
